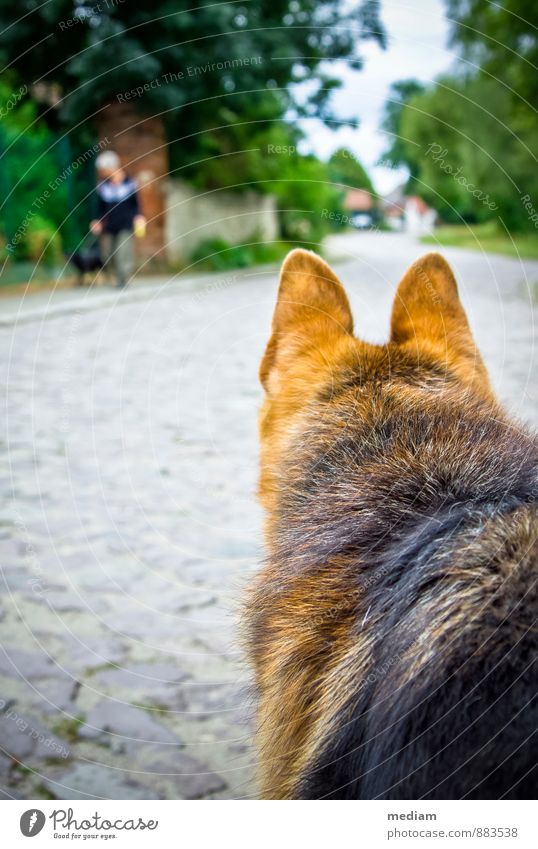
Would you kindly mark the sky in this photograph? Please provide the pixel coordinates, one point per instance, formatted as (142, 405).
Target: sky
(417, 48)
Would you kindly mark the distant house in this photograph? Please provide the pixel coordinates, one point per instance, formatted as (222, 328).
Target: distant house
(362, 207)
(419, 217)
(359, 200)
(409, 213)
(393, 206)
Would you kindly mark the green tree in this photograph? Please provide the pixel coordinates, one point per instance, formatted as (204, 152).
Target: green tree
(401, 92)
(470, 140)
(305, 192)
(30, 212)
(209, 70)
(501, 39)
(464, 154)
(346, 170)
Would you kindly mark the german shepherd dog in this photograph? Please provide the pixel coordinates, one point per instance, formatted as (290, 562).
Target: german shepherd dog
(393, 626)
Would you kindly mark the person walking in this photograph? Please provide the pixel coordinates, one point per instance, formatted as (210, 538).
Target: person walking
(118, 215)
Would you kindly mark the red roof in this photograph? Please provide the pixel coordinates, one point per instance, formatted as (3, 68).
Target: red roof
(358, 200)
(420, 205)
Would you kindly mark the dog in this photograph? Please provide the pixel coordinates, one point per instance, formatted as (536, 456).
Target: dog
(392, 628)
(88, 263)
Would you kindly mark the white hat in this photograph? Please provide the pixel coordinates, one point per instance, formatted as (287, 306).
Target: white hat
(108, 160)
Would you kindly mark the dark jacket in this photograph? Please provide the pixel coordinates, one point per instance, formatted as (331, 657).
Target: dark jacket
(117, 205)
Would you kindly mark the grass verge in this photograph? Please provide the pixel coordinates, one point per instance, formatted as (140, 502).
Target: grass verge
(487, 238)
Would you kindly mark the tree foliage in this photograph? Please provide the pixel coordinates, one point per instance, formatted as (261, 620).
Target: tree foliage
(501, 39)
(470, 140)
(220, 74)
(30, 212)
(346, 170)
(400, 94)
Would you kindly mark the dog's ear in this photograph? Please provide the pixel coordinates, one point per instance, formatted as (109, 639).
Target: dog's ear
(312, 311)
(428, 314)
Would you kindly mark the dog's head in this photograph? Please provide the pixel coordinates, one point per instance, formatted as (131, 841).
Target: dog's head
(312, 356)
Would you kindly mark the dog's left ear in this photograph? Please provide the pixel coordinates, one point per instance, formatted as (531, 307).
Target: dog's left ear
(312, 311)
(427, 315)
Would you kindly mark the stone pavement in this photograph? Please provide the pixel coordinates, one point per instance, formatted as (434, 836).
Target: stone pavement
(129, 523)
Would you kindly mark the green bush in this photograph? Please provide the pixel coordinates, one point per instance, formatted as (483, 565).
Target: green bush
(40, 242)
(220, 255)
(305, 193)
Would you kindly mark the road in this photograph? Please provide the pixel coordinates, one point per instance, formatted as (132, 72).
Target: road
(129, 523)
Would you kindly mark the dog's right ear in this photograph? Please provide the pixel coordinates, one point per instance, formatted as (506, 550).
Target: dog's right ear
(312, 312)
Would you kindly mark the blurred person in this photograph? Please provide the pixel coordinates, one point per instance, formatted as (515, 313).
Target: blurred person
(118, 216)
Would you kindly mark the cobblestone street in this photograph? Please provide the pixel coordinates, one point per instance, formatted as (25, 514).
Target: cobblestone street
(129, 523)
